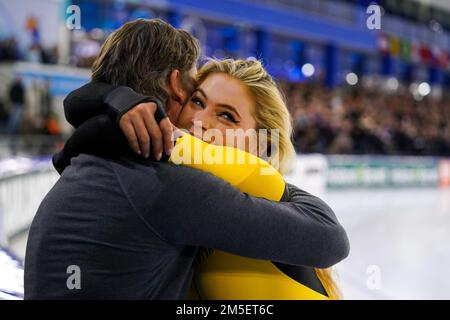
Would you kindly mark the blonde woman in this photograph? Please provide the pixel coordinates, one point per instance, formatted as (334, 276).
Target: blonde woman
(240, 94)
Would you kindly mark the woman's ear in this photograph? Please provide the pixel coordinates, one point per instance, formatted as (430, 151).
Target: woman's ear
(175, 85)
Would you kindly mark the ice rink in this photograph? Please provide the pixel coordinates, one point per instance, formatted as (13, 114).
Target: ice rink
(400, 243)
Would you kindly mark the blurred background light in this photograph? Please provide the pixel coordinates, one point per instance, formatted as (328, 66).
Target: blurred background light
(308, 69)
(351, 78)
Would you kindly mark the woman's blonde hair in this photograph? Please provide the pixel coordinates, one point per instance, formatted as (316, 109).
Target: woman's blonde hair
(270, 113)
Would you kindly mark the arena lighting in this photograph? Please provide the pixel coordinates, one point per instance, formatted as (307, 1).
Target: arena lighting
(308, 70)
(392, 83)
(351, 78)
(97, 34)
(424, 89)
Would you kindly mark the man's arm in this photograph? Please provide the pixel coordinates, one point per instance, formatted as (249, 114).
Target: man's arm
(191, 207)
(86, 102)
(96, 98)
(141, 118)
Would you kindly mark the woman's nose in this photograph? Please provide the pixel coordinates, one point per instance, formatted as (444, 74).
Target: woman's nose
(201, 121)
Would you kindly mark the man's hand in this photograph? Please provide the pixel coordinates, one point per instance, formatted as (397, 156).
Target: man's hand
(144, 133)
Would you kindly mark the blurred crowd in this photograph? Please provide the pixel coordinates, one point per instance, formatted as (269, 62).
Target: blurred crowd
(35, 52)
(32, 115)
(9, 50)
(346, 120)
(355, 120)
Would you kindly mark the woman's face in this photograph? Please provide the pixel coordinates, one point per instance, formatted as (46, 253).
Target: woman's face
(220, 102)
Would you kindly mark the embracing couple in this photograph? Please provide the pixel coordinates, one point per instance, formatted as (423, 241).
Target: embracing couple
(131, 225)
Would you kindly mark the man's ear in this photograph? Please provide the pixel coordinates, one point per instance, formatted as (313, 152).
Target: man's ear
(175, 84)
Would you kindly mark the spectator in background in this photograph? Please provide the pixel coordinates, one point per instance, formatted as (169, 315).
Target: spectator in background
(4, 115)
(17, 99)
(9, 50)
(51, 125)
(363, 121)
(35, 53)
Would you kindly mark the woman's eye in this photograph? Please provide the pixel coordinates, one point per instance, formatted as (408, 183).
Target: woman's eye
(228, 116)
(198, 102)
